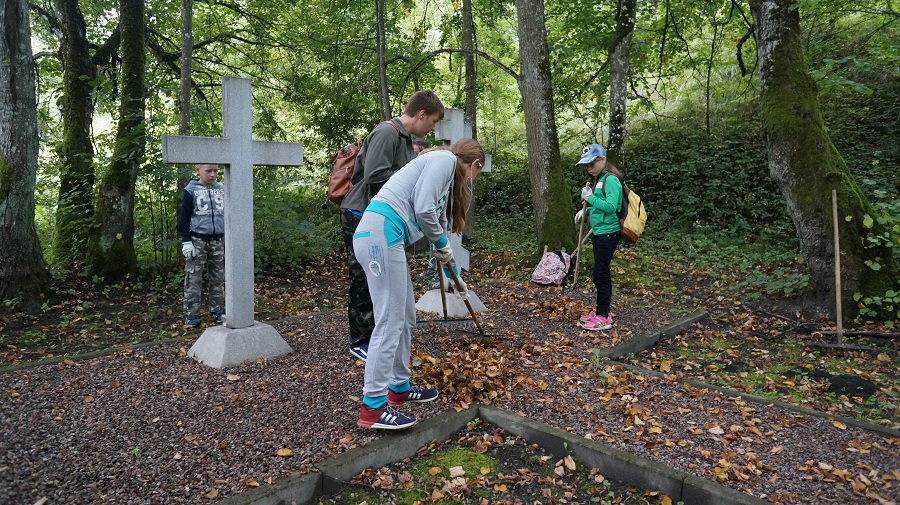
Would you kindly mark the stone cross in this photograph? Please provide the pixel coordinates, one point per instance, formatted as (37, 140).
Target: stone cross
(241, 337)
(450, 129)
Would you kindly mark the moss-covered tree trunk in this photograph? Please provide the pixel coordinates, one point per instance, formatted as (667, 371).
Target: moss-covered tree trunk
(549, 193)
(111, 252)
(75, 201)
(23, 273)
(619, 51)
(807, 167)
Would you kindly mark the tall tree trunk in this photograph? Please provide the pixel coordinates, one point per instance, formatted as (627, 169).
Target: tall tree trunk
(23, 273)
(184, 90)
(111, 253)
(76, 182)
(619, 51)
(468, 36)
(807, 167)
(549, 192)
(384, 97)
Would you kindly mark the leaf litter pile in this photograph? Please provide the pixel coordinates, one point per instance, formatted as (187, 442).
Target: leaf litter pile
(151, 425)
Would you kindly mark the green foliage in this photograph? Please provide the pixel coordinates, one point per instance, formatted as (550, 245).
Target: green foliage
(689, 179)
(290, 223)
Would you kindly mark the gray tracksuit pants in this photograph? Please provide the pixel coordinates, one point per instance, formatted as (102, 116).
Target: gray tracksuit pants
(393, 301)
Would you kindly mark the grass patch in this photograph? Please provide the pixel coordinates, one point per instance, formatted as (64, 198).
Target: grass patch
(483, 464)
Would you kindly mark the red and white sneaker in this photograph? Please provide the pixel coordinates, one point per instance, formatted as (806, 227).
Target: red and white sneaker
(598, 323)
(385, 418)
(587, 318)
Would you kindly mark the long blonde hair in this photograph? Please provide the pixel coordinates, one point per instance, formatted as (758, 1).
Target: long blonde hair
(466, 151)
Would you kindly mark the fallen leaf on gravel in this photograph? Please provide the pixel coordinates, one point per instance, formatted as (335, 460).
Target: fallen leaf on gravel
(570, 463)
(212, 494)
(177, 456)
(284, 452)
(500, 488)
(778, 449)
(88, 398)
(839, 425)
(42, 501)
(716, 430)
(233, 377)
(251, 483)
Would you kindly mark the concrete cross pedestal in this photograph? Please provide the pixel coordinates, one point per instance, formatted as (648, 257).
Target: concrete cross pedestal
(241, 337)
(450, 129)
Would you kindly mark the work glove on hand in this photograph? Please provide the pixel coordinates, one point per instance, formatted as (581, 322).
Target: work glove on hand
(187, 249)
(462, 290)
(443, 254)
(586, 193)
(579, 216)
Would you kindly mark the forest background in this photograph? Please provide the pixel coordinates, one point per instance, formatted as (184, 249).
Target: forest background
(110, 78)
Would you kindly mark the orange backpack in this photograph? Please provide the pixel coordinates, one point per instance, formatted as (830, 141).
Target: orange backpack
(339, 180)
(341, 172)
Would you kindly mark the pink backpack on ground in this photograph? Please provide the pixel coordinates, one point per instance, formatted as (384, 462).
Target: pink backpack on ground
(553, 269)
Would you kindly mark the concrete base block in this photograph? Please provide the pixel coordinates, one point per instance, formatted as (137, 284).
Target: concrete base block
(431, 302)
(221, 346)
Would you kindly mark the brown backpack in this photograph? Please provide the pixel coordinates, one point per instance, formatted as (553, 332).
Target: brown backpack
(341, 172)
(339, 180)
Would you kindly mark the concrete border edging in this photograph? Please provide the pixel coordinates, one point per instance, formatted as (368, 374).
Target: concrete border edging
(638, 344)
(619, 465)
(296, 488)
(330, 476)
(338, 471)
(761, 400)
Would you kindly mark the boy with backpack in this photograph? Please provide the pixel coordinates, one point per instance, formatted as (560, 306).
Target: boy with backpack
(387, 148)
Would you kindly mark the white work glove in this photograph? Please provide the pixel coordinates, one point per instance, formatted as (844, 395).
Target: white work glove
(443, 254)
(187, 249)
(579, 216)
(462, 290)
(586, 193)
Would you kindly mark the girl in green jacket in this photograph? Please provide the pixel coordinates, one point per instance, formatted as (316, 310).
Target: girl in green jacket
(603, 204)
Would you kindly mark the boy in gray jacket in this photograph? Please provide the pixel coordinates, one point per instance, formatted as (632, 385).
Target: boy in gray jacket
(201, 225)
(387, 148)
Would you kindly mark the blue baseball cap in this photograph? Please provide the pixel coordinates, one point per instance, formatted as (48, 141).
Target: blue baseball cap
(591, 153)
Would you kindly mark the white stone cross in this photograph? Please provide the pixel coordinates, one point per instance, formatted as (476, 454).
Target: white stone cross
(450, 129)
(240, 337)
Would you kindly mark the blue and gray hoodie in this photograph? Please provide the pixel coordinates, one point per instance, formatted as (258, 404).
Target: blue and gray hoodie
(202, 211)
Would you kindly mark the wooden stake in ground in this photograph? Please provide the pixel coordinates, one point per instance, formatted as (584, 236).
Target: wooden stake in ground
(837, 289)
(580, 234)
(837, 268)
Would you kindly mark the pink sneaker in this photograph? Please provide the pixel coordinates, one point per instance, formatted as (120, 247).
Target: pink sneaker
(598, 323)
(588, 317)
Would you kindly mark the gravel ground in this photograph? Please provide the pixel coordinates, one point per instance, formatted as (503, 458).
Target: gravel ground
(153, 426)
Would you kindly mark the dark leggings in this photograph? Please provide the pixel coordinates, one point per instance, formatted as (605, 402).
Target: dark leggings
(604, 247)
(360, 316)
